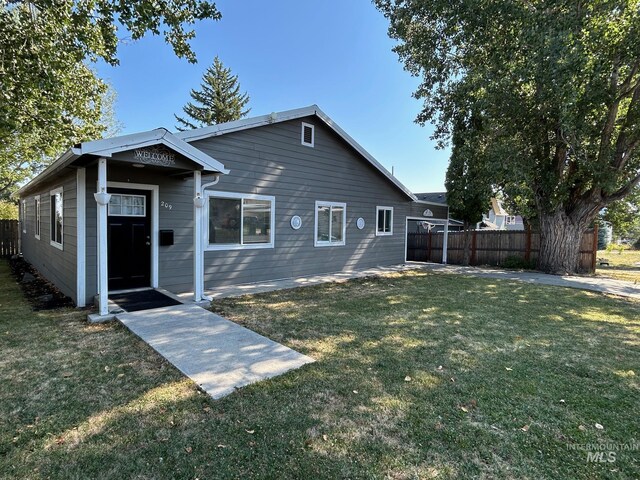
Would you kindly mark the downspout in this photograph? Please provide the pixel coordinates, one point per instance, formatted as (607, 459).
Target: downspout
(200, 195)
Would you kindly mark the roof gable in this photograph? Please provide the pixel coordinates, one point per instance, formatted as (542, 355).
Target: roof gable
(109, 146)
(313, 110)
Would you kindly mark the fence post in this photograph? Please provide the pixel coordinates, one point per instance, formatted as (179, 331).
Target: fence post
(527, 248)
(594, 249)
(473, 248)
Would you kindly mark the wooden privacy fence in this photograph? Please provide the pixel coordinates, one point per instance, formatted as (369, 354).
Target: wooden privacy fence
(492, 247)
(9, 238)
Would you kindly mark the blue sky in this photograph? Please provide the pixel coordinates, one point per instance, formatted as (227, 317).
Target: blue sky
(289, 54)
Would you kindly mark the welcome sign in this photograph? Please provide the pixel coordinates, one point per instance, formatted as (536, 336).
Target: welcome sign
(155, 156)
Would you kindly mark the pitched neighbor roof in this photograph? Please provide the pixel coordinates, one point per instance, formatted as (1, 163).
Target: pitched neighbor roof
(433, 197)
(277, 117)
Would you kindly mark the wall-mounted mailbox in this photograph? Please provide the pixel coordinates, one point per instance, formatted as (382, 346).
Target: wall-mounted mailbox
(166, 238)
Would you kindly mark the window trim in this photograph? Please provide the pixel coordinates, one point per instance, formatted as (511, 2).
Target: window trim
(23, 216)
(313, 134)
(38, 219)
(329, 243)
(212, 247)
(53, 243)
(378, 232)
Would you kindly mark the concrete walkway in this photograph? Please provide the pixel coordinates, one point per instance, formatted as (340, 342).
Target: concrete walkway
(595, 284)
(217, 354)
(281, 284)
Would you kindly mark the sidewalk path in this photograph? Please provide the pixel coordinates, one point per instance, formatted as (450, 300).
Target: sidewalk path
(595, 284)
(217, 354)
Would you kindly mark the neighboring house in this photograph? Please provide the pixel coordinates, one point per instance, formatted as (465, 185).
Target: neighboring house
(499, 219)
(258, 199)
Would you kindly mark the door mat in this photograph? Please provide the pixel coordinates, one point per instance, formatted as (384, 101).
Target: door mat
(143, 300)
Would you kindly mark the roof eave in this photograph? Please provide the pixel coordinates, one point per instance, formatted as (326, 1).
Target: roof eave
(61, 162)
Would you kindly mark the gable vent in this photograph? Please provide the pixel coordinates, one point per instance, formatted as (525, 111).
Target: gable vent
(307, 134)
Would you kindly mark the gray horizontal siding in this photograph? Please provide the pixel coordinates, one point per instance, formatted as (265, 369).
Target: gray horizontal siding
(271, 161)
(57, 266)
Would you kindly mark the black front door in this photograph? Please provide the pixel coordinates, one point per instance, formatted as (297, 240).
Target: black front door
(129, 237)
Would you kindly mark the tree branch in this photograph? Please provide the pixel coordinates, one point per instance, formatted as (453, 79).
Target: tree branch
(622, 192)
(612, 115)
(625, 87)
(622, 144)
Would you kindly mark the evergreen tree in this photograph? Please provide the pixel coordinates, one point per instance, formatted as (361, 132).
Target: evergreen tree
(218, 101)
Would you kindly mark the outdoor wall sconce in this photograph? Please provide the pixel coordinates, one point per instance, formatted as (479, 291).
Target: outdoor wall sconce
(198, 201)
(102, 197)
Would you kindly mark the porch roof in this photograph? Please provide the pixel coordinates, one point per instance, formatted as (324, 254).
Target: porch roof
(109, 146)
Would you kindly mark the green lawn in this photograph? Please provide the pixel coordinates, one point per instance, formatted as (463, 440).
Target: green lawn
(418, 375)
(623, 265)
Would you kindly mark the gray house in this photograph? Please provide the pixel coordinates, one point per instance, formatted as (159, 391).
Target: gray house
(269, 197)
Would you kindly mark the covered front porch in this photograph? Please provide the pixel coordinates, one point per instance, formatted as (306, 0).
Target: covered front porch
(143, 217)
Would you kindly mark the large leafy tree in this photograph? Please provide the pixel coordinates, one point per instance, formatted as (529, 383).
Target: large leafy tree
(558, 86)
(219, 99)
(49, 96)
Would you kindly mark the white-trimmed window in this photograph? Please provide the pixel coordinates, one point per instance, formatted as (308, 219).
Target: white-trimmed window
(307, 135)
(57, 217)
(238, 221)
(384, 221)
(330, 224)
(511, 219)
(125, 205)
(23, 216)
(36, 205)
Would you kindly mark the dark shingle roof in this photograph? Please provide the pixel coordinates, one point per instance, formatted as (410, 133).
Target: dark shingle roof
(435, 197)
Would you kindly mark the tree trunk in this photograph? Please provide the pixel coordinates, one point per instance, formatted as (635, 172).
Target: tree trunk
(560, 239)
(466, 238)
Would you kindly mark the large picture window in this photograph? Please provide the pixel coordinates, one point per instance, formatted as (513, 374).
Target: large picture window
(384, 224)
(331, 222)
(57, 217)
(240, 221)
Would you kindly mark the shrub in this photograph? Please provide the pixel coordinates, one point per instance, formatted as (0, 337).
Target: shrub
(518, 263)
(8, 210)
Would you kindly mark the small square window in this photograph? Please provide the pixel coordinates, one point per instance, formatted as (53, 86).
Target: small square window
(308, 134)
(384, 221)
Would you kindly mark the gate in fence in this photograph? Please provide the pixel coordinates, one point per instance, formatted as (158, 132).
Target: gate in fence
(9, 238)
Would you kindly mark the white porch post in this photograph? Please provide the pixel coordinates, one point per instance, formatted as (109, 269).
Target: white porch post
(445, 240)
(198, 260)
(102, 199)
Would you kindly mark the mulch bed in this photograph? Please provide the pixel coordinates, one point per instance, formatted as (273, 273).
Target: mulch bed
(41, 293)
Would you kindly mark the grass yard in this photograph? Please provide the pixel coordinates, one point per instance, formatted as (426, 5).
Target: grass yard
(623, 265)
(417, 376)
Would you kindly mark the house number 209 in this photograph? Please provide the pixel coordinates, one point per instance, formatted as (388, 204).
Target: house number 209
(166, 205)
